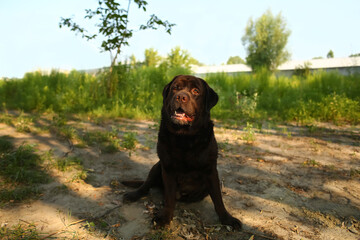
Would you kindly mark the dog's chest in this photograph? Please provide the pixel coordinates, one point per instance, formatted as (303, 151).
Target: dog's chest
(185, 154)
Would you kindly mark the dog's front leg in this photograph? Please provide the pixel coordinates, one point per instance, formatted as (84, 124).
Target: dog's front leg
(215, 194)
(166, 214)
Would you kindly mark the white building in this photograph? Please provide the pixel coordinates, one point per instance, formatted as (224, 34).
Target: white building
(344, 66)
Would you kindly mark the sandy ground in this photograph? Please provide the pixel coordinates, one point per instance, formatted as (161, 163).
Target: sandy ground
(291, 182)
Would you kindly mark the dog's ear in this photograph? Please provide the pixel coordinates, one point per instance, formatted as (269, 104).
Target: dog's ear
(211, 97)
(167, 88)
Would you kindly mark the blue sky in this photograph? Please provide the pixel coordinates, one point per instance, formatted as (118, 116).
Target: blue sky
(210, 30)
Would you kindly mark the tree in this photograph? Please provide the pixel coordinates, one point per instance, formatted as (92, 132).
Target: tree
(330, 54)
(265, 41)
(355, 55)
(112, 24)
(152, 57)
(133, 61)
(235, 60)
(181, 58)
(303, 70)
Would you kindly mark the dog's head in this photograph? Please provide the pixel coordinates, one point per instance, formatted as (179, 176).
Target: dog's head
(187, 101)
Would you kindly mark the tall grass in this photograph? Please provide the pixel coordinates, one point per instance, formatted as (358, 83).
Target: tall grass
(135, 92)
(322, 96)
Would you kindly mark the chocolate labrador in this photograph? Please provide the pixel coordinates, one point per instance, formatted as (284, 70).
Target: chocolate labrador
(187, 149)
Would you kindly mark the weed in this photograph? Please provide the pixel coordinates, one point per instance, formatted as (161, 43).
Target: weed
(96, 137)
(19, 231)
(249, 135)
(7, 119)
(80, 175)
(67, 132)
(22, 166)
(47, 156)
(286, 132)
(58, 121)
(129, 141)
(20, 171)
(108, 141)
(311, 163)
(23, 123)
(90, 226)
(60, 128)
(111, 147)
(68, 163)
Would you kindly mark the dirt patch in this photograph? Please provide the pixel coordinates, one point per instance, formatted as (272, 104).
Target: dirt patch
(288, 182)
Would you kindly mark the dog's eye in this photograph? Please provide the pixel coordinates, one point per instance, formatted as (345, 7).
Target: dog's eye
(195, 91)
(176, 87)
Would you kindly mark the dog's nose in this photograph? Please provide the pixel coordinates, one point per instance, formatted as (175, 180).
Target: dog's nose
(182, 98)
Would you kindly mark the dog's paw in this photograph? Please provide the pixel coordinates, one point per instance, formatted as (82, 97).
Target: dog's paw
(131, 197)
(231, 221)
(160, 221)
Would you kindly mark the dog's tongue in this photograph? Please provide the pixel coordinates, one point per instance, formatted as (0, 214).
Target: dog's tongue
(182, 116)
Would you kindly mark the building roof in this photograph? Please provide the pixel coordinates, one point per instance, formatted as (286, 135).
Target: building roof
(222, 68)
(322, 63)
(325, 63)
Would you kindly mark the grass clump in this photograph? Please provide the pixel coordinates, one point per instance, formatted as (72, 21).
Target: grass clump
(68, 163)
(20, 171)
(23, 123)
(19, 231)
(129, 141)
(22, 165)
(249, 135)
(59, 127)
(311, 163)
(106, 140)
(7, 119)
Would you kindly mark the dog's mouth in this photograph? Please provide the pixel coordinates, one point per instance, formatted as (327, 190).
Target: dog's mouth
(182, 117)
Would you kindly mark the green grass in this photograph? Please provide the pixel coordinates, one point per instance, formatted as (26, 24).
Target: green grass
(5, 145)
(311, 163)
(19, 231)
(249, 135)
(22, 165)
(106, 140)
(129, 141)
(321, 96)
(68, 163)
(136, 92)
(20, 171)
